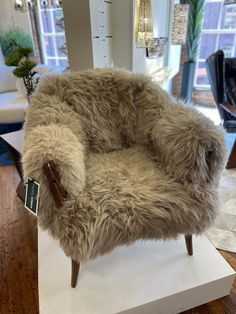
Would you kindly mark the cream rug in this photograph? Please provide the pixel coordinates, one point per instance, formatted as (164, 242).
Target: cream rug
(223, 233)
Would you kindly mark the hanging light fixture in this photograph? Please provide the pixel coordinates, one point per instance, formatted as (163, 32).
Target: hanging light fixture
(21, 5)
(144, 26)
(180, 24)
(58, 3)
(45, 3)
(61, 23)
(63, 49)
(51, 3)
(25, 5)
(230, 2)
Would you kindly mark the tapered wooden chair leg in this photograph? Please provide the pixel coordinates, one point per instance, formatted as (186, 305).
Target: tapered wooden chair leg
(75, 265)
(189, 243)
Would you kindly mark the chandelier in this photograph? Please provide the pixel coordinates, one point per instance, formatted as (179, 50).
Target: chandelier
(230, 2)
(25, 5)
(144, 26)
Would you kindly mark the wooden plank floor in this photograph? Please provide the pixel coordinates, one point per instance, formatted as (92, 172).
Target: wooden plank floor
(18, 250)
(19, 264)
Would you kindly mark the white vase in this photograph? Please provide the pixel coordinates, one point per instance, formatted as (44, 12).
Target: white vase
(21, 87)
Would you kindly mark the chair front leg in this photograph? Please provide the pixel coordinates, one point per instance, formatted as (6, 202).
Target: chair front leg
(75, 266)
(189, 243)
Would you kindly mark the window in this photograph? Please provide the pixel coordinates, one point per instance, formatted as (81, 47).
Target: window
(52, 35)
(218, 32)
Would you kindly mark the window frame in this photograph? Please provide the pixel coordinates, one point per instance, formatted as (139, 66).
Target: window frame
(216, 32)
(52, 34)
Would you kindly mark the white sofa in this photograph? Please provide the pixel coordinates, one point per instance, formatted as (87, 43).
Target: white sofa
(13, 101)
(12, 107)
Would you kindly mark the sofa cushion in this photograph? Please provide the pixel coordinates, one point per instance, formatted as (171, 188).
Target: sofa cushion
(7, 79)
(12, 107)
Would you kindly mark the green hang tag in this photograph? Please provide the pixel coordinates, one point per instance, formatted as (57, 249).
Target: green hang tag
(32, 196)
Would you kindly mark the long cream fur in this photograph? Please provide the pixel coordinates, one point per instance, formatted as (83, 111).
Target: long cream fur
(136, 164)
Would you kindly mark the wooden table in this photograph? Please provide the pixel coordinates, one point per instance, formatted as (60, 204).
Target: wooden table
(14, 141)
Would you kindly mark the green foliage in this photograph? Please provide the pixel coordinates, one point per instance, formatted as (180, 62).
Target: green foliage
(24, 68)
(13, 59)
(25, 51)
(196, 11)
(17, 55)
(20, 59)
(13, 37)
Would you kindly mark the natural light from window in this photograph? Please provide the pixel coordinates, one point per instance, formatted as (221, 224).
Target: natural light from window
(52, 35)
(218, 32)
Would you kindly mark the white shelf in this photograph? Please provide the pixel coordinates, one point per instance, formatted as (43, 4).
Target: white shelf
(150, 277)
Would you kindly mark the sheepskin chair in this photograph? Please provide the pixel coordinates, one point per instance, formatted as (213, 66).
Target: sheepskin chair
(134, 162)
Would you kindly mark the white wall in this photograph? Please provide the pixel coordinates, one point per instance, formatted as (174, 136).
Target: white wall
(101, 29)
(160, 13)
(78, 34)
(83, 27)
(10, 17)
(122, 31)
(88, 33)
(125, 53)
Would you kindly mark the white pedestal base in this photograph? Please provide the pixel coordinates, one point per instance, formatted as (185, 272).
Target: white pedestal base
(145, 278)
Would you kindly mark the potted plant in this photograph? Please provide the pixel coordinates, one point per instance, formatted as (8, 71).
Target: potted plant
(24, 67)
(196, 10)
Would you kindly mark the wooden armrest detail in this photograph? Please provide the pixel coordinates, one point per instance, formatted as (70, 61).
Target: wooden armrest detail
(58, 191)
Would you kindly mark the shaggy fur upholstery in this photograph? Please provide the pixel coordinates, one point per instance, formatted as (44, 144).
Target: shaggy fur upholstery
(136, 164)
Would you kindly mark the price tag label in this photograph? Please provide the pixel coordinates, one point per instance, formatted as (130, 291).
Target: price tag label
(32, 196)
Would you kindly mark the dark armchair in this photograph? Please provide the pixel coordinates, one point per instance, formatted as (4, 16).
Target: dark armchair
(222, 77)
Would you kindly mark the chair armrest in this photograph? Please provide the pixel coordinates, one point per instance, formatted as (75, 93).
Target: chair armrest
(57, 145)
(190, 147)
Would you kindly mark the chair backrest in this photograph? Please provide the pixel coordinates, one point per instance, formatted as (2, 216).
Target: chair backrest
(230, 80)
(215, 66)
(116, 109)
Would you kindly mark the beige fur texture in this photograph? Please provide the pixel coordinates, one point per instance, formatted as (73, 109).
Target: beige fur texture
(136, 164)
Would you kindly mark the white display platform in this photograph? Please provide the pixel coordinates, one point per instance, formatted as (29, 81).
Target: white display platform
(144, 278)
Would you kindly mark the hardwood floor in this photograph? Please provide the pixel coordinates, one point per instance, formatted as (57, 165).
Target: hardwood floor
(19, 264)
(18, 250)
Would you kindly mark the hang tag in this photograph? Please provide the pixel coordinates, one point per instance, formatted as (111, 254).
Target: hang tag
(32, 196)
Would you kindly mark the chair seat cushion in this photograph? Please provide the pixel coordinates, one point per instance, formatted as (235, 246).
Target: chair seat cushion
(129, 197)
